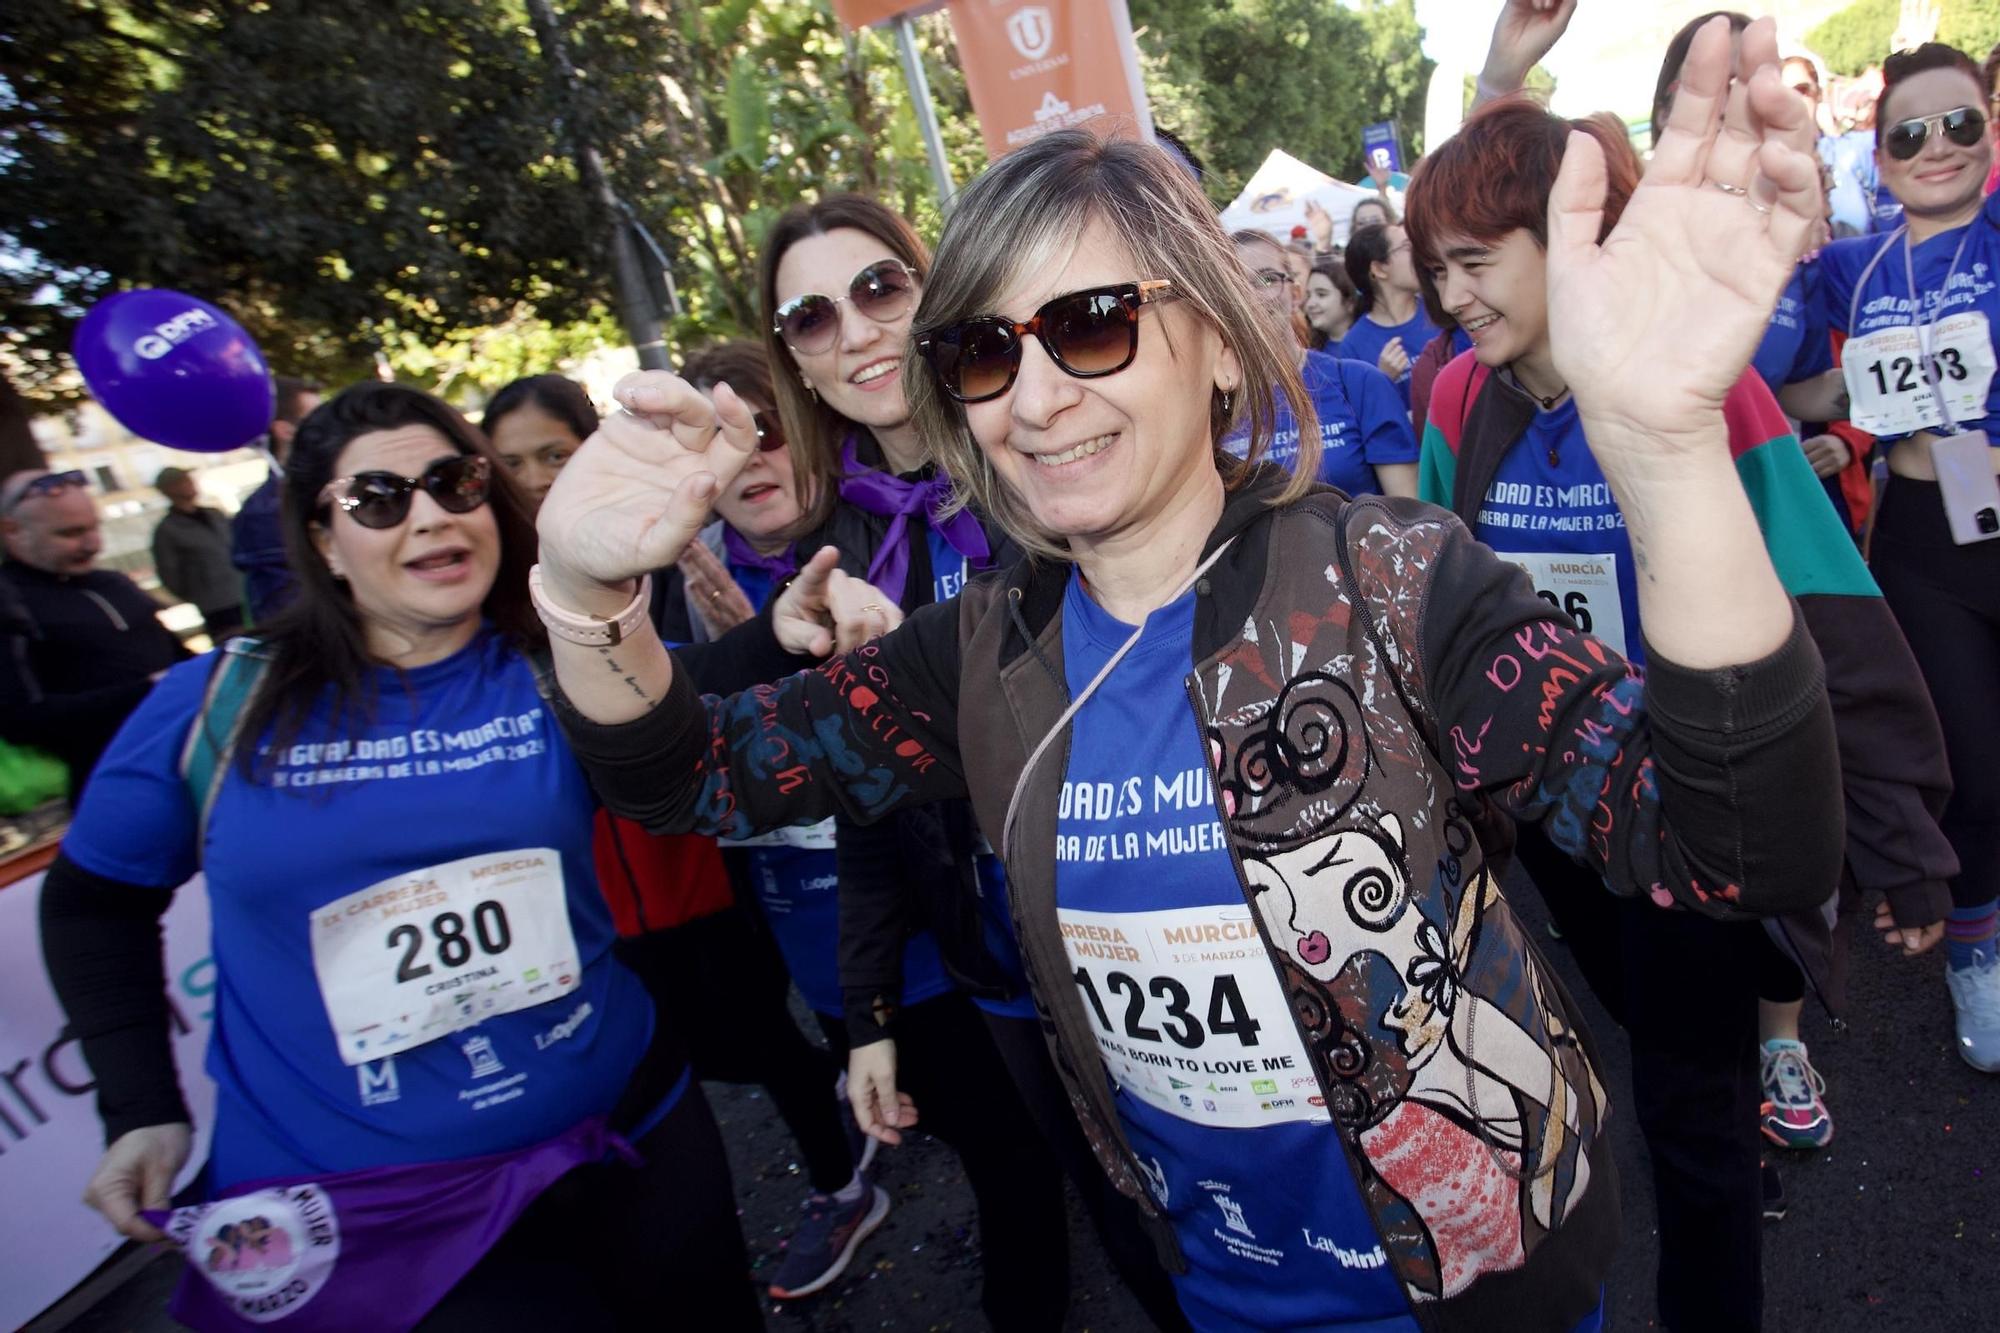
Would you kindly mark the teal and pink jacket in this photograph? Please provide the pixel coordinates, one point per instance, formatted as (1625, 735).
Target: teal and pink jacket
(1892, 756)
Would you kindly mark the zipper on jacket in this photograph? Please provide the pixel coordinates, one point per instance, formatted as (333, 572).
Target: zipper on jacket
(109, 609)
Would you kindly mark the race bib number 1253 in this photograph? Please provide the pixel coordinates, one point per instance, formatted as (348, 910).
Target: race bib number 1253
(417, 957)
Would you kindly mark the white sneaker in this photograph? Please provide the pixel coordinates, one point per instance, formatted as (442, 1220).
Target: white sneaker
(1975, 993)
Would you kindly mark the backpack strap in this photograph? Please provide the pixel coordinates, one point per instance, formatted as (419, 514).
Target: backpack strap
(211, 742)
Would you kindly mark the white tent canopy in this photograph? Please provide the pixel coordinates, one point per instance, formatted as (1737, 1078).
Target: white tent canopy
(1275, 199)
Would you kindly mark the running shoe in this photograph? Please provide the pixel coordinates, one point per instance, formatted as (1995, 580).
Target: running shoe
(1794, 1114)
(1975, 994)
(820, 1249)
(1775, 1205)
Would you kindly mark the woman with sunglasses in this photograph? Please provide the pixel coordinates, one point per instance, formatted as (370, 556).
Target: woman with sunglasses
(839, 281)
(1936, 542)
(1390, 323)
(421, 1033)
(1232, 731)
(1365, 445)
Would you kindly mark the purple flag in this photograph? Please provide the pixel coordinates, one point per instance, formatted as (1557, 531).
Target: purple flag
(373, 1249)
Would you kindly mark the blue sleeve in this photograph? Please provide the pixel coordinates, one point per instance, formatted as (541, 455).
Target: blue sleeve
(1831, 292)
(137, 822)
(1815, 354)
(1355, 346)
(1386, 436)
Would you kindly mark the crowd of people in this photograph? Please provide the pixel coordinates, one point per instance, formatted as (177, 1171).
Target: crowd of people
(1103, 667)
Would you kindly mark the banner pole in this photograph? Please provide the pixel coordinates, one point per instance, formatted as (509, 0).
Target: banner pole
(920, 101)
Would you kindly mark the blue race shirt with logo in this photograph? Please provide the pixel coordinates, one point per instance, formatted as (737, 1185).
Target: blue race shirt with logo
(1362, 423)
(1885, 301)
(1550, 496)
(1274, 1229)
(1366, 339)
(1796, 345)
(461, 758)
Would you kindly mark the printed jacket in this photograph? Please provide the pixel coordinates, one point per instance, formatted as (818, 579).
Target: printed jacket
(1359, 667)
(1892, 759)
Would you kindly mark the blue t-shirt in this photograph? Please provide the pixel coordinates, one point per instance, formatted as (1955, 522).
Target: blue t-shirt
(1361, 423)
(461, 758)
(1850, 160)
(1796, 345)
(798, 891)
(1248, 1169)
(1549, 497)
(1366, 339)
(1885, 300)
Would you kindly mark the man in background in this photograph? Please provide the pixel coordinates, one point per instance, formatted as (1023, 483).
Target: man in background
(191, 555)
(259, 542)
(79, 646)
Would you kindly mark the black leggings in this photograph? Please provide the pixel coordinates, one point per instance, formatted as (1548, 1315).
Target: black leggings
(1685, 988)
(611, 1247)
(720, 982)
(946, 1062)
(1947, 599)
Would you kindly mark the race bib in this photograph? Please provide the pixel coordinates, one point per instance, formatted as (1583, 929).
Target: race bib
(1190, 1016)
(806, 837)
(420, 956)
(1582, 587)
(1886, 384)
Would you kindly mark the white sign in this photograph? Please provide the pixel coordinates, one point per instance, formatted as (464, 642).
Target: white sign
(50, 1136)
(1275, 199)
(1582, 587)
(414, 958)
(1189, 1014)
(1889, 390)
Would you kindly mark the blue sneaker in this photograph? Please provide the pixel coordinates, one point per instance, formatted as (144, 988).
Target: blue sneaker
(820, 1249)
(1975, 994)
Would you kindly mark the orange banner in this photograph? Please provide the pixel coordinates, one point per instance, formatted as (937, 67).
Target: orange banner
(1035, 68)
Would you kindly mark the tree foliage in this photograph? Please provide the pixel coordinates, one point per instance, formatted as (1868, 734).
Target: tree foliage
(355, 179)
(1239, 79)
(1859, 35)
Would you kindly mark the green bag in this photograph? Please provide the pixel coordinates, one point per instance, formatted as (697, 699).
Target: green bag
(29, 777)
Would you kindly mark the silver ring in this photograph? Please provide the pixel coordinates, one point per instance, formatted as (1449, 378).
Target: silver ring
(1761, 208)
(1727, 188)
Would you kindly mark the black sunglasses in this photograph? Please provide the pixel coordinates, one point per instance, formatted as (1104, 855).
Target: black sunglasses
(770, 435)
(1962, 125)
(811, 323)
(459, 484)
(1088, 334)
(53, 484)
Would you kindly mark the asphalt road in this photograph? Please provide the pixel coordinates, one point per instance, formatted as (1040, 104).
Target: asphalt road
(1895, 1227)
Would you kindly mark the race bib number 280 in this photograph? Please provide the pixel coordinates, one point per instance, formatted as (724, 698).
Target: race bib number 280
(1190, 1016)
(414, 958)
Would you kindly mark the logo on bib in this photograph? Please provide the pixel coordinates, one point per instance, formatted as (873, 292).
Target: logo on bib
(267, 1253)
(479, 1051)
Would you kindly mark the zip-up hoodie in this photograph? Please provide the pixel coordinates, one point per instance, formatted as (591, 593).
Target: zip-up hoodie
(1892, 761)
(1358, 666)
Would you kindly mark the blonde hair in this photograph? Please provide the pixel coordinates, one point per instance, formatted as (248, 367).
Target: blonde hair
(1018, 219)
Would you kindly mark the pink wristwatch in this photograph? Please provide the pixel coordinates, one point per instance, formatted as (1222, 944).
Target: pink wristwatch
(591, 631)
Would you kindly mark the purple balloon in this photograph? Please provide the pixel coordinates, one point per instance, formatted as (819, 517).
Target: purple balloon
(175, 370)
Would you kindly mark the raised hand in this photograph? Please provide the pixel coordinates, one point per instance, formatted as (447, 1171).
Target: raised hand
(1916, 23)
(1319, 225)
(633, 497)
(1651, 329)
(1526, 31)
(825, 610)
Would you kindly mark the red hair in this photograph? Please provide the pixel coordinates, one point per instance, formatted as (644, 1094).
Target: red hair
(1495, 175)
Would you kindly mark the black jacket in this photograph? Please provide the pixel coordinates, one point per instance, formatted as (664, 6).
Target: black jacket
(81, 652)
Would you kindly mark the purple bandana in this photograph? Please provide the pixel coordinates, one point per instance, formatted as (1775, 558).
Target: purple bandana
(743, 555)
(373, 1249)
(889, 496)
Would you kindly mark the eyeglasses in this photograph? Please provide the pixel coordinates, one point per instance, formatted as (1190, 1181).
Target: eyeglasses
(1268, 278)
(810, 324)
(55, 483)
(459, 484)
(770, 435)
(1088, 334)
(1962, 125)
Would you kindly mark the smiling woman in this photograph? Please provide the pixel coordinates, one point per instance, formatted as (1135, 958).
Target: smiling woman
(1354, 681)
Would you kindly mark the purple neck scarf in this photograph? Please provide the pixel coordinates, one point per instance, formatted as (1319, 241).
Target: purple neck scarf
(743, 555)
(888, 496)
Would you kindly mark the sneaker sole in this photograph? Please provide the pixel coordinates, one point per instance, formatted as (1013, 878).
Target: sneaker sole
(1806, 1142)
(876, 1212)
